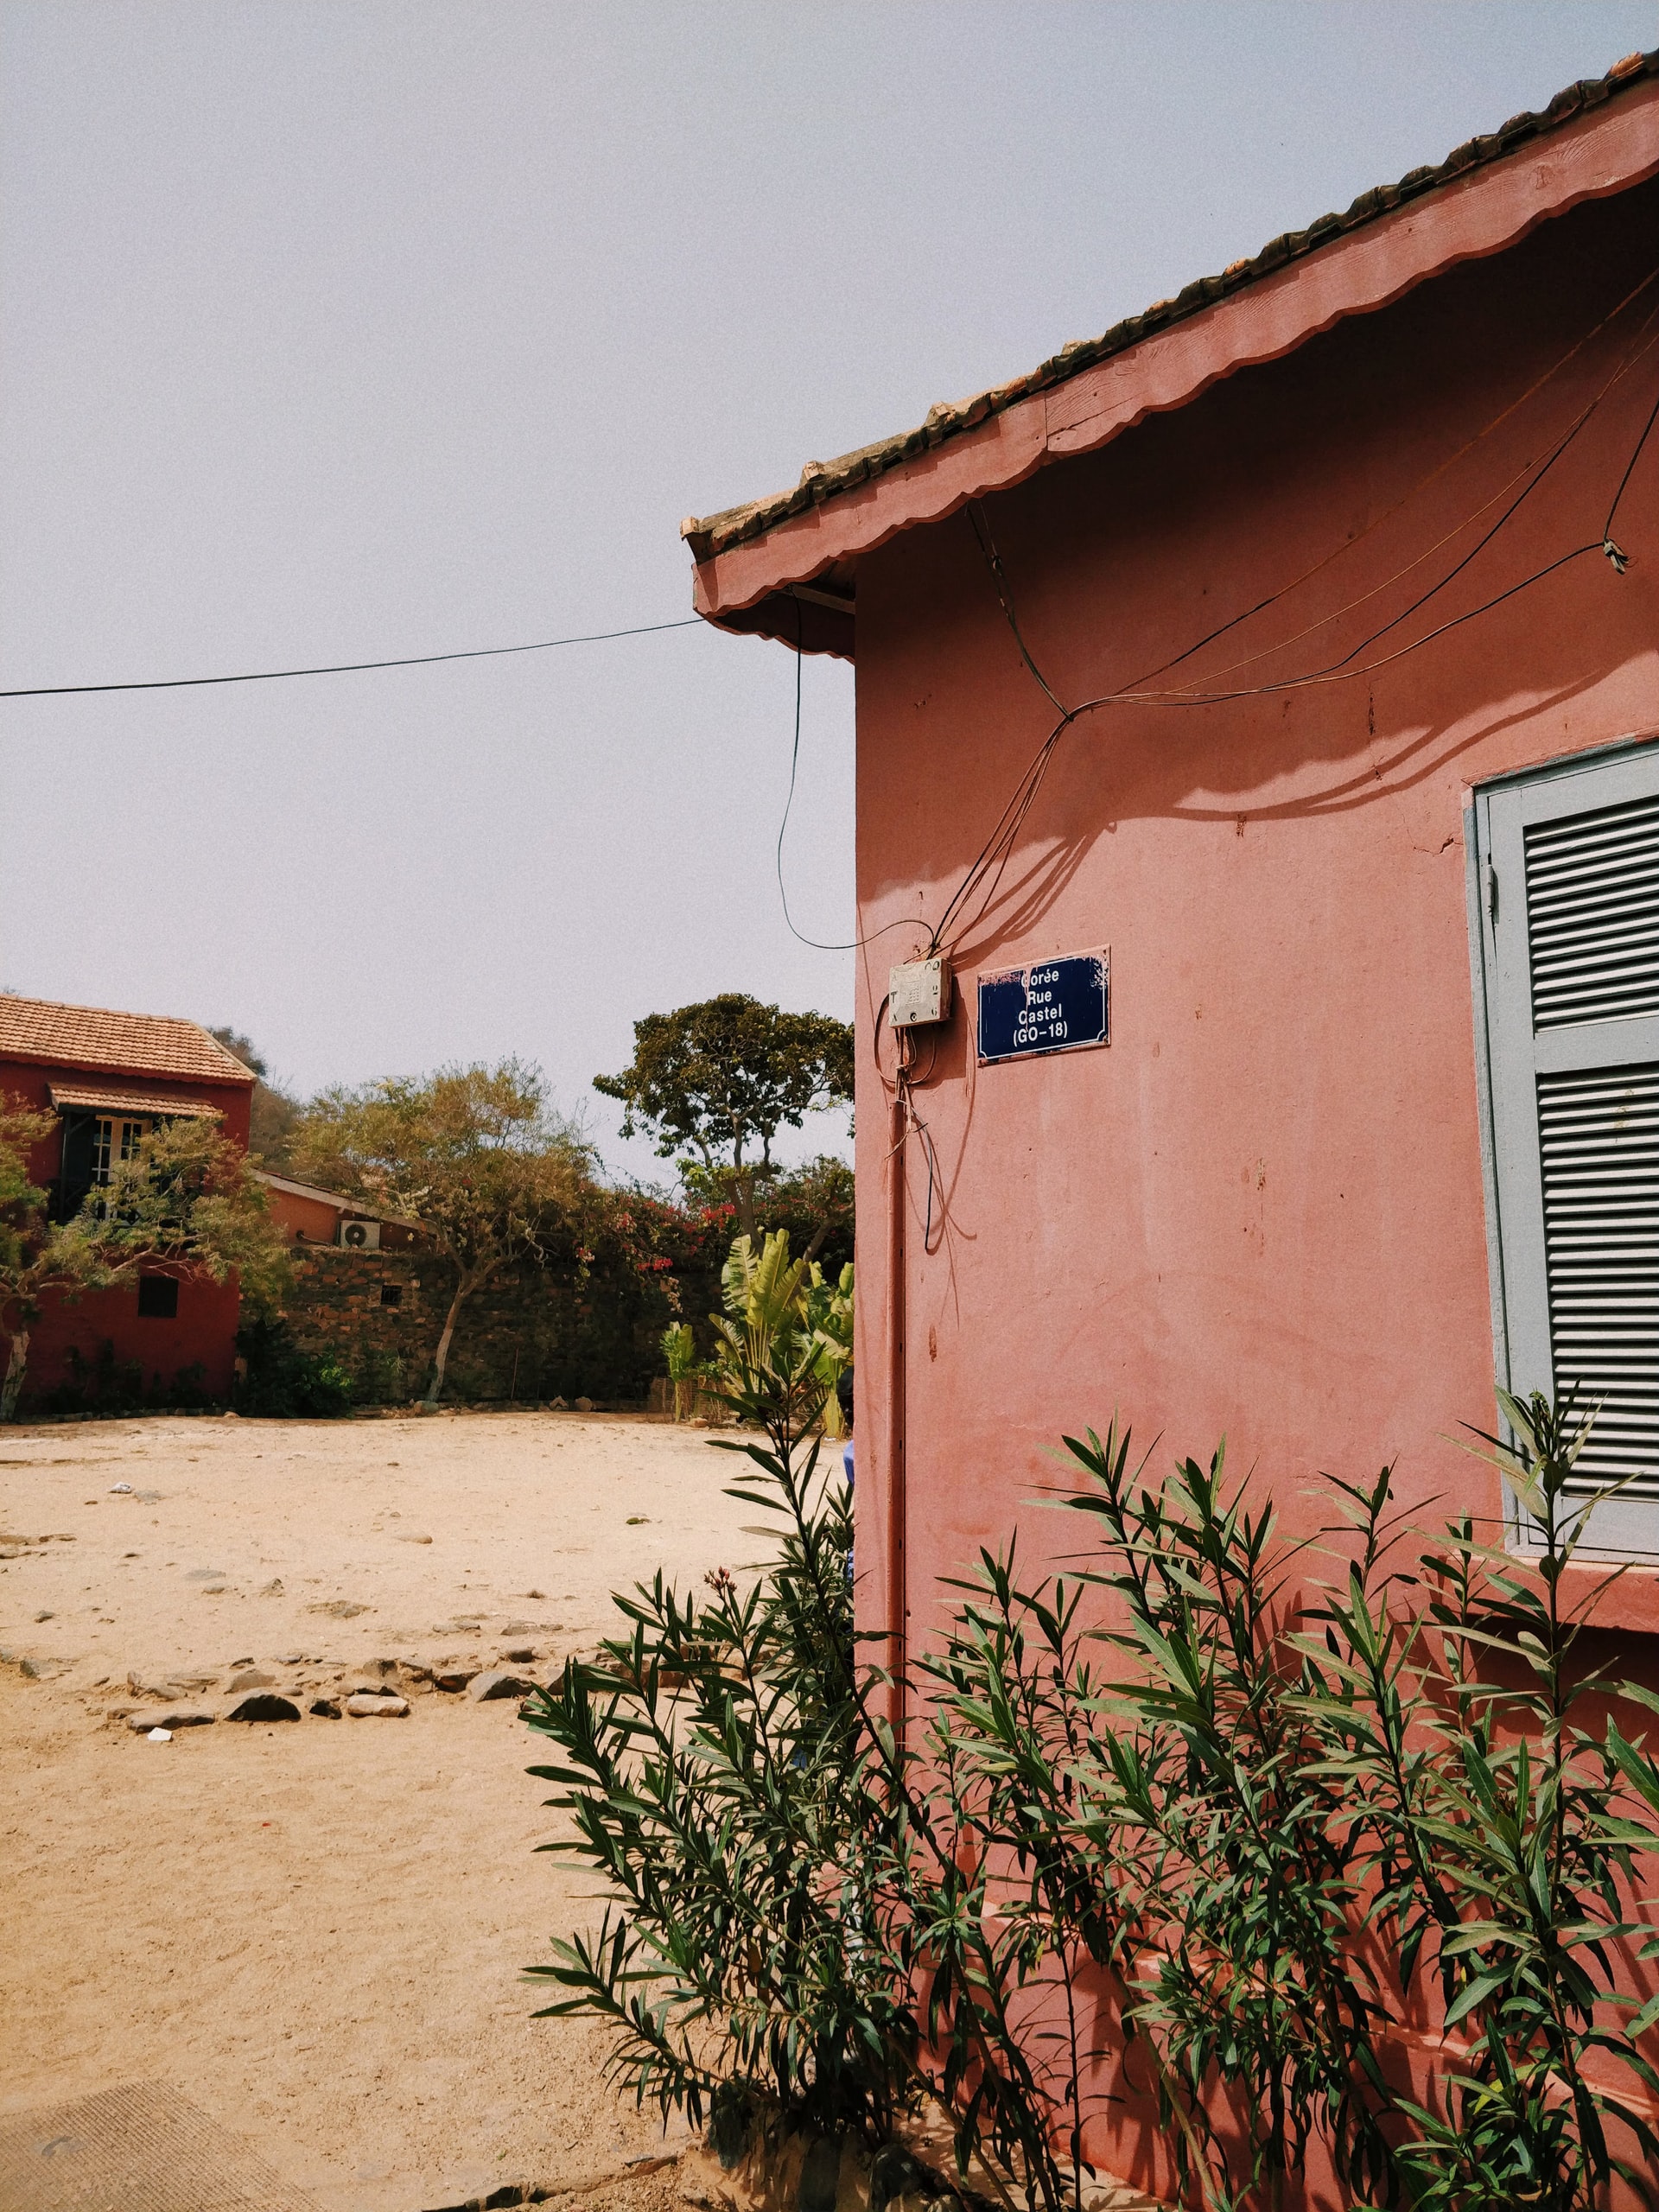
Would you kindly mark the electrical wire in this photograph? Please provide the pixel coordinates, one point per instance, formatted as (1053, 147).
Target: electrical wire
(981, 530)
(351, 667)
(1542, 463)
(1612, 551)
(993, 857)
(999, 847)
(1408, 496)
(818, 944)
(995, 853)
(902, 1088)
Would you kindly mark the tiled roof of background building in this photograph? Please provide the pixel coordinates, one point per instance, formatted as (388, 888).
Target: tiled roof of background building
(123, 1098)
(93, 1037)
(822, 480)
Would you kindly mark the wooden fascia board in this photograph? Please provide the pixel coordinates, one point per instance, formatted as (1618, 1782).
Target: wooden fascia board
(1467, 219)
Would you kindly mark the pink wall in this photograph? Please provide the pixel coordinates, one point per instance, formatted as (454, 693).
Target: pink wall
(309, 1219)
(1260, 1212)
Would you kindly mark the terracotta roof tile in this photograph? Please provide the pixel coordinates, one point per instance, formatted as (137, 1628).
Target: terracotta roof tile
(822, 480)
(93, 1037)
(126, 1098)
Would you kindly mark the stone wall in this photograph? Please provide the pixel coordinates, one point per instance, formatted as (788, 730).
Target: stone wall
(337, 1309)
(529, 1333)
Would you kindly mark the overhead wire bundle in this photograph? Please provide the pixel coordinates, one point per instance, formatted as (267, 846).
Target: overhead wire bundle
(993, 857)
(984, 874)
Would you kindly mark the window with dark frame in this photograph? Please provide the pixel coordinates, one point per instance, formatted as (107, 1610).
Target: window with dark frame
(392, 1294)
(158, 1298)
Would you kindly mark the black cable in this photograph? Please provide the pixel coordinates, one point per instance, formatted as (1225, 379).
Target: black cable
(794, 762)
(855, 944)
(1543, 470)
(1005, 835)
(981, 530)
(1607, 544)
(1480, 436)
(351, 667)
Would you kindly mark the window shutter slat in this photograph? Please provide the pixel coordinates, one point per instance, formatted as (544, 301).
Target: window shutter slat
(1598, 1138)
(1593, 915)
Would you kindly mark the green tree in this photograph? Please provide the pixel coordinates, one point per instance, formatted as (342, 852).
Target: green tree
(720, 1078)
(186, 1198)
(477, 1155)
(274, 1112)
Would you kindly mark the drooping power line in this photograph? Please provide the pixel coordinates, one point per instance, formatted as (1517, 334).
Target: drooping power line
(350, 667)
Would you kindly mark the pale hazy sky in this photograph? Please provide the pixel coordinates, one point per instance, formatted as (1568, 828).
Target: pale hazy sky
(334, 330)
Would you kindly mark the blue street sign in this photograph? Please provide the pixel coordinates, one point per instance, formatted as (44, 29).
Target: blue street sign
(1053, 1006)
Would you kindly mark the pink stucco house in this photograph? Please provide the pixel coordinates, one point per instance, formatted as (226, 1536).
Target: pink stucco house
(1292, 653)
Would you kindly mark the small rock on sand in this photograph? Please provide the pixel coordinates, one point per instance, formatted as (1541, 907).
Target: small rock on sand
(142, 1723)
(263, 1705)
(452, 1678)
(338, 1609)
(324, 1708)
(494, 1684)
(366, 1705)
(250, 1678)
(169, 1686)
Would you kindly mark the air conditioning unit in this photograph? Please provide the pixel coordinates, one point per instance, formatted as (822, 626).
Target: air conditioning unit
(360, 1236)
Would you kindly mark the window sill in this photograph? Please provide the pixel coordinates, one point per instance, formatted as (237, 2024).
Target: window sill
(1608, 1596)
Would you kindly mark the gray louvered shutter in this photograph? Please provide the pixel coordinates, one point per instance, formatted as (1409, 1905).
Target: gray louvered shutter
(1568, 877)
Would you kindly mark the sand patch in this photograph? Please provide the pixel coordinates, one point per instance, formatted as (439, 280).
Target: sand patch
(315, 1930)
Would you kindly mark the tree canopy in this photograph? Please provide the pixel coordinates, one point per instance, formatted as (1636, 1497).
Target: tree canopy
(185, 1198)
(720, 1079)
(477, 1155)
(273, 1111)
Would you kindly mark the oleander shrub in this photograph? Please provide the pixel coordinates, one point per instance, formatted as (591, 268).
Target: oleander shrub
(1247, 1799)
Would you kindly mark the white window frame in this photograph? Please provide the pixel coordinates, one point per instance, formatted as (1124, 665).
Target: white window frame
(1509, 1057)
(116, 1137)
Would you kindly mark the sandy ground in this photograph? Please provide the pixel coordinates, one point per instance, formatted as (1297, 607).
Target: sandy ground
(315, 1931)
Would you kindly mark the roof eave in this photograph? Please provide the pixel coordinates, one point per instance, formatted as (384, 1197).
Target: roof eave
(749, 559)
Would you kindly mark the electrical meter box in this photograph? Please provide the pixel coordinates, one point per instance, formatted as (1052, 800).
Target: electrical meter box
(918, 993)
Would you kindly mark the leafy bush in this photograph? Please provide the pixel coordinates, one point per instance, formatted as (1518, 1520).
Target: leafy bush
(278, 1379)
(721, 1766)
(379, 1380)
(731, 1771)
(104, 1384)
(1256, 1816)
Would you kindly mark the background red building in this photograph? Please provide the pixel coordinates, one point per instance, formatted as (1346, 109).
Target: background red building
(107, 1077)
